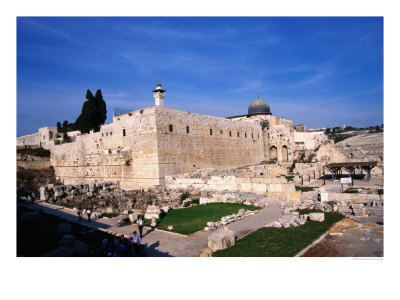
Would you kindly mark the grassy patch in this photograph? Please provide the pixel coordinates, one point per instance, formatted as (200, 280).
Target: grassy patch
(195, 218)
(304, 188)
(280, 242)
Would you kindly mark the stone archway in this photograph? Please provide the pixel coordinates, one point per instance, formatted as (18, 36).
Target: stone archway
(285, 154)
(273, 153)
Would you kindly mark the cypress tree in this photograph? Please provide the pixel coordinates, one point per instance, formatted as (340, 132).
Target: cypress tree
(93, 113)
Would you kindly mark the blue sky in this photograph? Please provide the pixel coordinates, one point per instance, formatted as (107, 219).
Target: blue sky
(314, 71)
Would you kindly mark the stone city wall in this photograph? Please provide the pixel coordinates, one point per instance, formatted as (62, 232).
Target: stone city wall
(29, 140)
(188, 141)
(124, 151)
(309, 140)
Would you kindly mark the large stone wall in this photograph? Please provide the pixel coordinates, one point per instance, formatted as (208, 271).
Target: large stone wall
(29, 140)
(109, 155)
(181, 151)
(141, 147)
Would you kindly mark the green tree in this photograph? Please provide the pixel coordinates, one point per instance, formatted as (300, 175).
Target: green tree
(94, 113)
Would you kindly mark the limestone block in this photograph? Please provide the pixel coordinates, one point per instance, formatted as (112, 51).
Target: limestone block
(298, 221)
(276, 224)
(206, 228)
(293, 224)
(294, 196)
(221, 239)
(165, 209)
(170, 227)
(204, 200)
(324, 197)
(210, 224)
(67, 240)
(224, 219)
(241, 212)
(63, 228)
(287, 211)
(295, 213)
(132, 217)
(320, 217)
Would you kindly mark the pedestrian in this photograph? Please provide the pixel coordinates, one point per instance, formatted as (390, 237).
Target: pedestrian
(319, 197)
(79, 213)
(88, 212)
(140, 226)
(136, 240)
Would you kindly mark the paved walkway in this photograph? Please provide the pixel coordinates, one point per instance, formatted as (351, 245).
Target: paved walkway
(162, 243)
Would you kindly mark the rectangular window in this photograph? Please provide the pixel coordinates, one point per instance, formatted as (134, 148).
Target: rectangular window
(245, 135)
(230, 133)
(111, 133)
(221, 132)
(123, 132)
(187, 129)
(106, 133)
(258, 135)
(252, 136)
(238, 134)
(171, 129)
(210, 131)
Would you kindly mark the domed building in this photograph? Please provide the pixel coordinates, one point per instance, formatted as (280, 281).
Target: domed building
(259, 107)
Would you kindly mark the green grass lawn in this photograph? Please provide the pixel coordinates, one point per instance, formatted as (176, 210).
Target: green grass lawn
(191, 219)
(280, 242)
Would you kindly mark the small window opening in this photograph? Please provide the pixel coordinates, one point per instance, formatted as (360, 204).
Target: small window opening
(238, 134)
(245, 135)
(210, 131)
(230, 133)
(221, 132)
(171, 129)
(123, 132)
(187, 129)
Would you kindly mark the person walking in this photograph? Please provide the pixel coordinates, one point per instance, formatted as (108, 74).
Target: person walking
(140, 226)
(88, 212)
(79, 213)
(136, 240)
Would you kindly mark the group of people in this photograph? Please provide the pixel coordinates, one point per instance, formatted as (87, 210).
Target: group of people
(122, 247)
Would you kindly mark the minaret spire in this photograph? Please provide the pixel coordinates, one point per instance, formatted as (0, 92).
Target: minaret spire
(159, 95)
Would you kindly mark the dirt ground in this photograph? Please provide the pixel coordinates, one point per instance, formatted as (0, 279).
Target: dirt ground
(352, 238)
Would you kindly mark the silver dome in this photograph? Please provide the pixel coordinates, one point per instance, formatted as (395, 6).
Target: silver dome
(259, 106)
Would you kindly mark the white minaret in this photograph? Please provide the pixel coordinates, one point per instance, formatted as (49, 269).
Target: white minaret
(159, 95)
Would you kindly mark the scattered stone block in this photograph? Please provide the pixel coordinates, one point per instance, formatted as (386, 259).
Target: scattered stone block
(298, 221)
(293, 224)
(319, 217)
(221, 239)
(132, 217)
(170, 227)
(210, 224)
